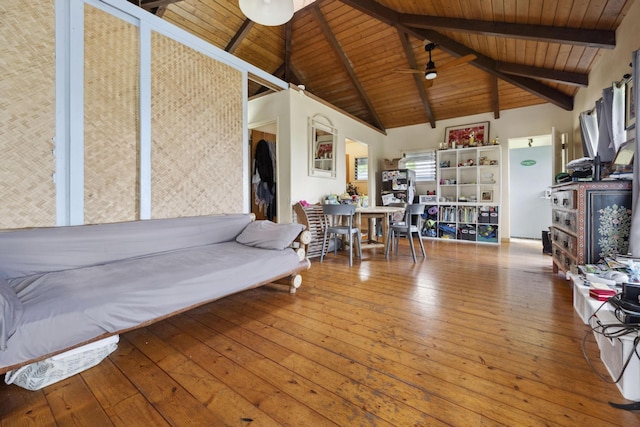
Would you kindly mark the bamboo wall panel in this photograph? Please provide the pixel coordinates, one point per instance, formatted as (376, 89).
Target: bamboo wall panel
(197, 133)
(111, 118)
(27, 114)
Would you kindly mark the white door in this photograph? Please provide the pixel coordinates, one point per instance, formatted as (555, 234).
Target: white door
(530, 169)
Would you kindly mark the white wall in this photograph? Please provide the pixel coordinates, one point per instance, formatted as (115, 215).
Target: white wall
(292, 110)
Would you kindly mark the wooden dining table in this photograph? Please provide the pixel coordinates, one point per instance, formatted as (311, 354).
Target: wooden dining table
(382, 213)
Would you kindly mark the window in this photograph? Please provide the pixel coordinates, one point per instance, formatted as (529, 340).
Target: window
(362, 169)
(423, 163)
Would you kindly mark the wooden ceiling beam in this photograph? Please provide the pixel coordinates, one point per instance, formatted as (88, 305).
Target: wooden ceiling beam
(454, 48)
(295, 77)
(488, 65)
(565, 77)
(326, 30)
(418, 78)
(239, 35)
(495, 97)
(574, 36)
(287, 51)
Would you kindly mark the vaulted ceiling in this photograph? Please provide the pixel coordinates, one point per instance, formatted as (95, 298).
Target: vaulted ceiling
(347, 52)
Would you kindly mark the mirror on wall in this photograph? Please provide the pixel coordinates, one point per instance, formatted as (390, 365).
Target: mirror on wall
(322, 147)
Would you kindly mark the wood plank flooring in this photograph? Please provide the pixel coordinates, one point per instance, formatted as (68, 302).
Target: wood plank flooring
(475, 335)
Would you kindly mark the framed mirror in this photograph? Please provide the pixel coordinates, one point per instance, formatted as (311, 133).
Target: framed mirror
(322, 147)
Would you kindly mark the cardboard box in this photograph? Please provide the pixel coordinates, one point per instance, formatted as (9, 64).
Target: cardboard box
(390, 164)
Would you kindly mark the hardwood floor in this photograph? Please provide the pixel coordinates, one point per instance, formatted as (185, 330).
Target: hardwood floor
(471, 336)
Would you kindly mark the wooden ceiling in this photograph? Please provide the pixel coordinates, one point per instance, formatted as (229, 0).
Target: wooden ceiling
(346, 51)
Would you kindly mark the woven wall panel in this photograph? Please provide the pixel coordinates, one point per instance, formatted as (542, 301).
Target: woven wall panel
(196, 131)
(27, 113)
(111, 116)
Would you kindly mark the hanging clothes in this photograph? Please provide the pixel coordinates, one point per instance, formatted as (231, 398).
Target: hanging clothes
(264, 178)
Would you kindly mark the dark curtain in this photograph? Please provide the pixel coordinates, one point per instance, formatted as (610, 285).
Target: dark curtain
(266, 186)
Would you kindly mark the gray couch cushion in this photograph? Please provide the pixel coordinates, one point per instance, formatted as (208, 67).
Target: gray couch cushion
(269, 235)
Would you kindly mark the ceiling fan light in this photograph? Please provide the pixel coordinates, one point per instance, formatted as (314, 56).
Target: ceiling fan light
(431, 72)
(267, 12)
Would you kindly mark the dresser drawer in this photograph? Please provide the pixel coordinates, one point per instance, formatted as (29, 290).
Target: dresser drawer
(565, 220)
(564, 199)
(564, 240)
(563, 260)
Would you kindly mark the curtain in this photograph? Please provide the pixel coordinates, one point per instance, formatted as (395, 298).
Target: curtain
(605, 132)
(617, 116)
(589, 132)
(604, 107)
(611, 133)
(634, 235)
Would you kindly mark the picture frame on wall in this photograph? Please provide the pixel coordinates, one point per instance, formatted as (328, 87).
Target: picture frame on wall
(629, 106)
(471, 135)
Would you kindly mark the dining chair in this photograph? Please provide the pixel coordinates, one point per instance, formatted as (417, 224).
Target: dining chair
(394, 217)
(339, 220)
(412, 224)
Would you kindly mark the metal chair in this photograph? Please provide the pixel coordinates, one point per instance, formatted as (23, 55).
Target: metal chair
(407, 228)
(339, 220)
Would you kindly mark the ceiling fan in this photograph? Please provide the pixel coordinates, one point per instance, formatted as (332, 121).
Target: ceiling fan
(431, 72)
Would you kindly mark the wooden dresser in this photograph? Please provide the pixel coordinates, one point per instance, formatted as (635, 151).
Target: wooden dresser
(590, 220)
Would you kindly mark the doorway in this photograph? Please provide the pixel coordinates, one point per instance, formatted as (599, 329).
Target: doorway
(263, 171)
(530, 172)
(357, 165)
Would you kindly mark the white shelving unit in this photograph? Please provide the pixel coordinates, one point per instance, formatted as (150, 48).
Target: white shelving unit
(468, 194)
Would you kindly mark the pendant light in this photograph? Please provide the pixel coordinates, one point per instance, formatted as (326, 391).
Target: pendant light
(267, 12)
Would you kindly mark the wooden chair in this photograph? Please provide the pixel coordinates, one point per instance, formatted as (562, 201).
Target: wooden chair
(412, 224)
(339, 220)
(313, 217)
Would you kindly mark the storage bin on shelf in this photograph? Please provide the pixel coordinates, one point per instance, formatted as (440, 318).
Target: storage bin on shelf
(488, 215)
(467, 232)
(487, 233)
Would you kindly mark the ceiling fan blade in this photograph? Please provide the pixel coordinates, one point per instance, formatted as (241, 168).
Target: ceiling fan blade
(457, 61)
(408, 70)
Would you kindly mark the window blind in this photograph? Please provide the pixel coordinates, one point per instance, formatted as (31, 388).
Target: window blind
(362, 169)
(423, 163)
